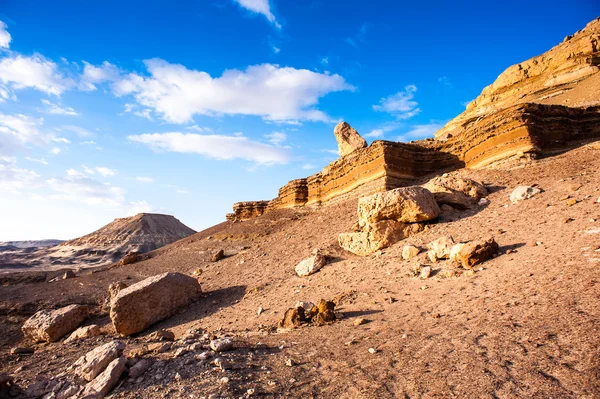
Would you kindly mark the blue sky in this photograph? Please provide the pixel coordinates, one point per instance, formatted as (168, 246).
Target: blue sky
(112, 108)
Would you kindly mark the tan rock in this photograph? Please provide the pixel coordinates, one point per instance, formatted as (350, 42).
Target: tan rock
(129, 259)
(348, 139)
(139, 368)
(107, 380)
(475, 252)
(377, 236)
(156, 298)
(440, 248)
(220, 254)
(292, 318)
(310, 265)
(92, 363)
(115, 288)
(84, 332)
(457, 192)
(523, 192)
(404, 204)
(162, 335)
(52, 325)
(410, 251)
(326, 313)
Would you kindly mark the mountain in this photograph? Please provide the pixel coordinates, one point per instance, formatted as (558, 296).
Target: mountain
(141, 233)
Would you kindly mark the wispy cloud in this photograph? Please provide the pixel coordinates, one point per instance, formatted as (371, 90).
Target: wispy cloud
(381, 131)
(360, 37)
(276, 138)
(401, 104)
(5, 37)
(215, 146)
(444, 81)
(57, 109)
(37, 160)
(418, 132)
(260, 7)
(145, 179)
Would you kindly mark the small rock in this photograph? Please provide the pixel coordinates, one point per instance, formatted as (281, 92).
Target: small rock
(221, 363)
(51, 325)
(180, 352)
(218, 256)
(221, 345)
(159, 347)
(483, 202)
(107, 380)
(326, 313)
(260, 310)
(425, 272)
(306, 305)
(440, 248)
(523, 192)
(310, 265)
(289, 362)
(359, 321)
(129, 259)
(115, 288)
(84, 332)
(372, 351)
(571, 202)
(162, 335)
(410, 251)
(139, 368)
(92, 363)
(475, 252)
(292, 318)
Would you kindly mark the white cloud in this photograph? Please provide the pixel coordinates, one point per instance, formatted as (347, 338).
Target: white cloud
(140, 207)
(272, 92)
(80, 188)
(92, 75)
(13, 178)
(182, 191)
(418, 132)
(308, 166)
(81, 132)
(400, 104)
(87, 170)
(58, 109)
(327, 150)
(92, 143)
(276, 50)
(215, 146)
(381, 131)
(18, 72)
(40, 160)
(276, 138)
(144, 179)
(104, 171)
(55, 151)
(200, 129)
(5, 37)
(17, 131)
(260, 7)
(74, 173)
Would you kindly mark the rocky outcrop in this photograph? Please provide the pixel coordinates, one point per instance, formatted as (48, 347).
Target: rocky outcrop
(548, 78)
(348, 139)
(52, 325)
(388, 217)
(140, 305)
(547, 104)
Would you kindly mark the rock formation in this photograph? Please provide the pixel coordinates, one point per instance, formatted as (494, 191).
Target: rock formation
(541, 106)
(156, 298)
(52, 325)
(348, 139)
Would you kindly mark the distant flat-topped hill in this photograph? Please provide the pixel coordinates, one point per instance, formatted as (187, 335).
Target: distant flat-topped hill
(141, 233)
(30, 243)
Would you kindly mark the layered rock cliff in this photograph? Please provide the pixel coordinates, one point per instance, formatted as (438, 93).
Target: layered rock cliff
(546, 104)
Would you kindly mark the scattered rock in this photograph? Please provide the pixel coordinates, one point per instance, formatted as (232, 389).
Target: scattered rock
(107, 380)
(218, 256)
(129, 259)
(425, 272)
(52, 325)
(348, 139)
(360, 321)
(457, 192)
(475, 252)
(139, 368)
(92, 363)
(310, 265)
(292, 318)
(159, 347)
(326, 313)
(410, 251)
(84, 332)
(483, 202)
(156, 298)
(372, 351)
(571, 201)
(523, 192)
(377, 236)
(260, 310)
(405, 204)
(440, 248)
(306, 305)
(223, 364)
(162, 335)
(289, 362)
(221, 345)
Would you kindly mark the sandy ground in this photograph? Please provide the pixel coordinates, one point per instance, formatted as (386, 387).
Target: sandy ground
(524, 326)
